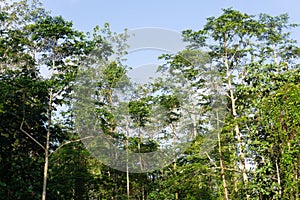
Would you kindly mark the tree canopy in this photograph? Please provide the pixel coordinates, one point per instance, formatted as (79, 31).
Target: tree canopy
(235, 90)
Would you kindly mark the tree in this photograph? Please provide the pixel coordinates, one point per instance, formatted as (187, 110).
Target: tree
(14, 40)
(273, 66)
(253, 54)
(248, 61)
(230, 33)
(58, 44)
(32, 39)
(276, 142)
(23, 96)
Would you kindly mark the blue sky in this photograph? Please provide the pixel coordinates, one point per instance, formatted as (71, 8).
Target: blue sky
(175, 15)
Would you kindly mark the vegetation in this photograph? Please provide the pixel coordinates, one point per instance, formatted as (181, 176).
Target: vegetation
(250, 62)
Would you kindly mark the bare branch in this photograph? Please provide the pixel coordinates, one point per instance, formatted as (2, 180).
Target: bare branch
(211, 160)
(227, 95)
(21, 128)
(235, 51)
(232, 170)
(68, 142)
(216, 167)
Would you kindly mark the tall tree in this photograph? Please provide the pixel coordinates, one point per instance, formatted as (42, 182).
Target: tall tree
(58, 44)
(230, 34)
(274, 67)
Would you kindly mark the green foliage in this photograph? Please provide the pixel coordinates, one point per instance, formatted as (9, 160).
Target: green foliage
(276, 144)
(24, 99)
(250, 59)
(256, 57)
(139, 111)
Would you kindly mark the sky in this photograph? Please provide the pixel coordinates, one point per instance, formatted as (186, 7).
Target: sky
(177, 15)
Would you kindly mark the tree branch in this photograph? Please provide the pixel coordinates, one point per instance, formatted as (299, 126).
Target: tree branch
(211, 160)
(68, 142)
(21, 128)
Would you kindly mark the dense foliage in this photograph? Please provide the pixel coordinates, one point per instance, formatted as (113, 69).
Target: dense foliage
(251, 152)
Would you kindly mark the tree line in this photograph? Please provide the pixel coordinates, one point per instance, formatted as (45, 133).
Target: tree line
(235, 92)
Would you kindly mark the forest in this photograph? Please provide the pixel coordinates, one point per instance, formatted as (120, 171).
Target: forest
(233, 93)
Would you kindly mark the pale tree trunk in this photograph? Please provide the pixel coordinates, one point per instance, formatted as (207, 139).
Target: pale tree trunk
(49, 114)
(225, 189)
(109, 175)
(141, 161)
(112, 130)
(46, 165)
(238, 133)
(143, 192)
(174, 165)
(127, 171)
(278, 177)
(127, 160)
(233, 99)
(139, 149)
(236, 128)
(275, 59)
(235, 179)
(194, 117)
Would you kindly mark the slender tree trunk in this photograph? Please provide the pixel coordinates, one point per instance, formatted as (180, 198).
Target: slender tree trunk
(194, 121)
(225, 190)
(235, 178)
(275, 59)
(112, 129)
(49, 114)
(127, 160)
(141, 161)
(143, 192)
(139, 150)
(235, 117)
(112, 195)
(237, 128)
(238, 133)
(46, 166)
(278, 177)
(127, 171)
(174, 165)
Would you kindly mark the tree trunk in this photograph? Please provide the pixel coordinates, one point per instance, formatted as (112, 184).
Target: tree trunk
(174, 165)
(225, 190)
(141, 161)
(235, 178)
(233, 99)
(49, 114)
(46, 166)
(237, 128)
(127, 172)
(278, 177)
